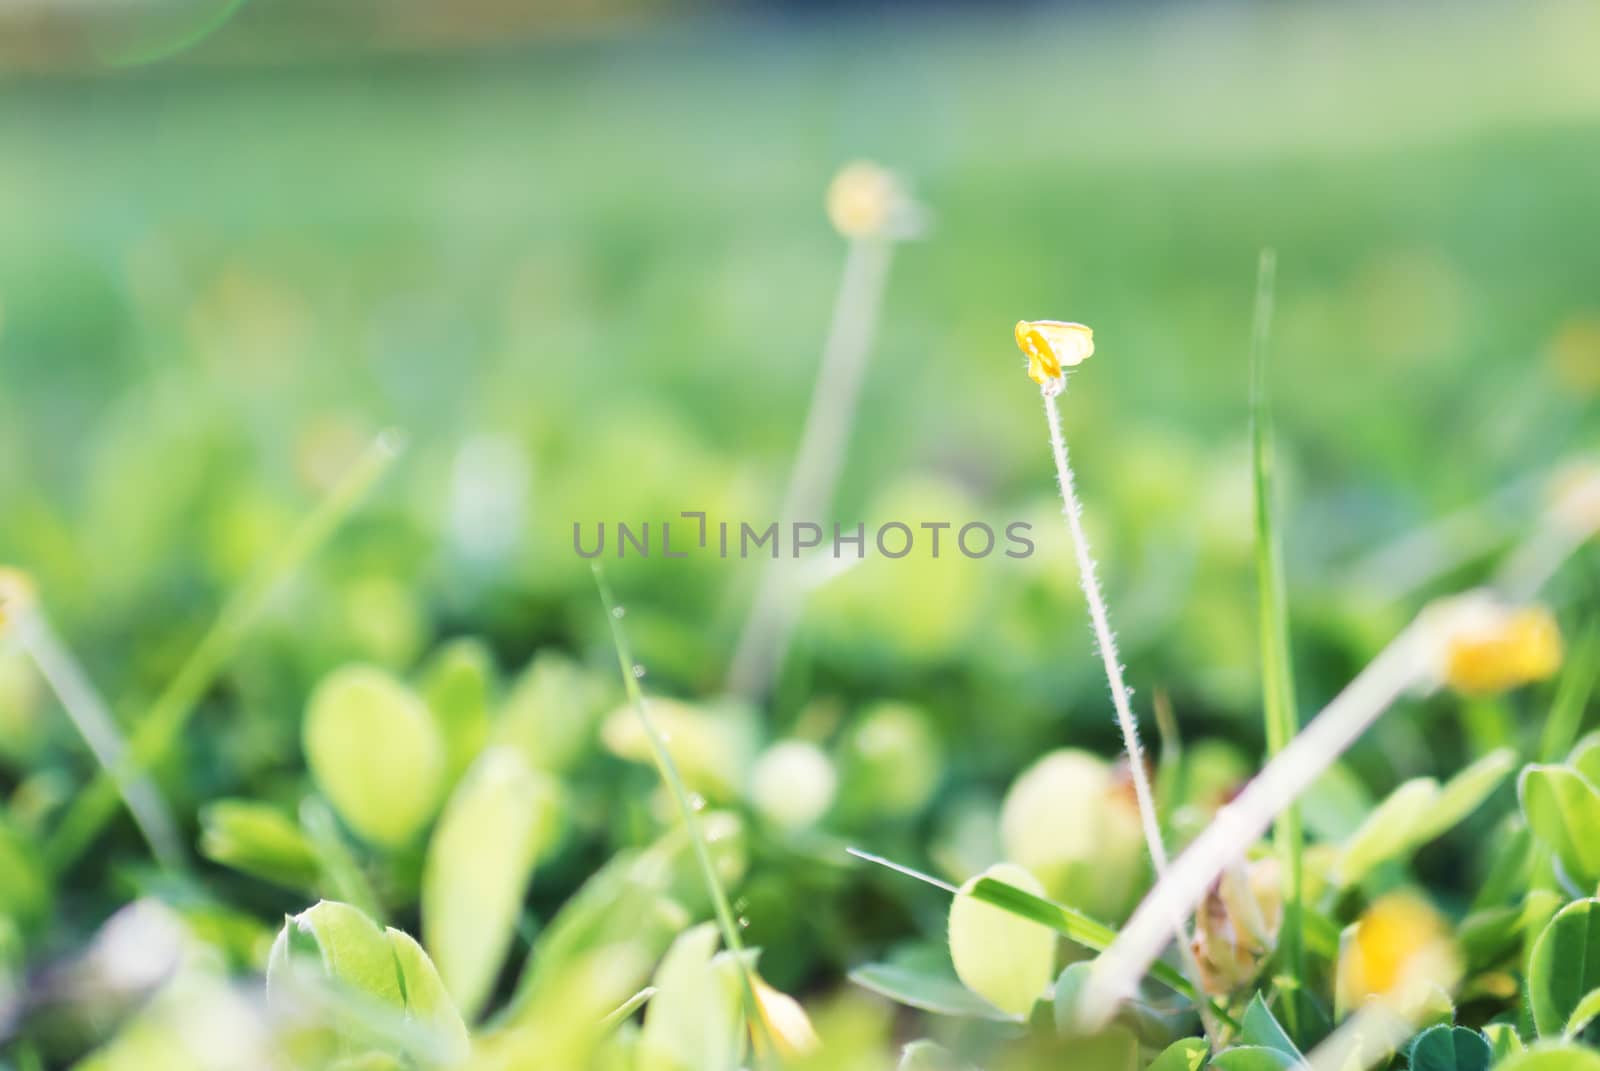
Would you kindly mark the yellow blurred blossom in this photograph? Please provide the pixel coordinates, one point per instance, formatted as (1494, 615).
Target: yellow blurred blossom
(786, 1021)
(869, 201)
(16, 592)
(1051, 345)
(1484, 646)
(1399, 952)
(1574, 353)
(1236, 927)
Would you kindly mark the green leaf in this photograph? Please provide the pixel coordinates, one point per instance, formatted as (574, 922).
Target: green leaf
(1559, 1057)
(1186, 1054)
(428, 1004)
(925, 1055)
(929, 992)
(1503, 1041)
(1253, 1058)
(693, 1023)
(1584, 1013)
(1450, 1048)
(376, 753)
(1389, 831)
(1564, 966)
(479, 862)
(1585, 758)
(1260, 1028)
(351, 948)
(258, 840)
(458, 687)
(1563, 811)
(1465, 793)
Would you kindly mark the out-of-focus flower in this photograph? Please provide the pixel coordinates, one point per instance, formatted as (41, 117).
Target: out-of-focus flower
(1006, 960)
(1051, 345)
(1574, 495)
(866, 200)
(792, 784)
(1072, 820)
(1484, 646)
(1236, 927)
(16, 593)
(1574, 353)
(1399, 952)
(786, 1021)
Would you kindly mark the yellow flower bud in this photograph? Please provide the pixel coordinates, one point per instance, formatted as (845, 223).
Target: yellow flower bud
(1051, 345)
(786, 1021)
(1005, 959)
(869, 201)
(1399, 952)
(1485, 646)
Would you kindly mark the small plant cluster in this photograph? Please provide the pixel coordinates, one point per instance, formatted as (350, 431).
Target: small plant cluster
(1177, 908)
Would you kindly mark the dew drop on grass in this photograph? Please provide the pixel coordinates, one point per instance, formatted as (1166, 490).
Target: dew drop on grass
(744, 923)
(619, 611)
(638, 671)
(697, 801)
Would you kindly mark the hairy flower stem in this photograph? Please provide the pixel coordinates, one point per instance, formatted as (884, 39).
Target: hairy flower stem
(1403, 664)
(1105, 640)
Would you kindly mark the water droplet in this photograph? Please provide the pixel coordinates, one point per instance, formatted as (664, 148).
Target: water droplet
(697, 801)
(744, 923)
(619, 611)
(638, 671)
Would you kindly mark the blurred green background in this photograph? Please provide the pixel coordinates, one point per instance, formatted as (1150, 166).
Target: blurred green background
(583, 265)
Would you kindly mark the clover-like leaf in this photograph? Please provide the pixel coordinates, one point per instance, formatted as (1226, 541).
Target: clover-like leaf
(1564, 966)
(1450, 1048)
(1563, 811)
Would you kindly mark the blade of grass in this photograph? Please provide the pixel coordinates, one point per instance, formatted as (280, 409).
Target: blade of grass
(91, 716)
(1565, 721)
(1072, 924)
(1277, 672)
(156, 732)
(668, 769)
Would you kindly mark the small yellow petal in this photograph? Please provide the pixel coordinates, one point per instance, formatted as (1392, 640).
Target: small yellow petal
(1051, 345)
(869, 201)
(1398, 952)
(1526, 647)
(787, 1022)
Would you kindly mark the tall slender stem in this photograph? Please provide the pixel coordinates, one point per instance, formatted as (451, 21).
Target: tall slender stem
(760, 647)
(1105, 641)
(1281, 718)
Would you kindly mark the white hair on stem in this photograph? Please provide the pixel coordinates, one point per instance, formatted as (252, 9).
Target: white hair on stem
(1405, 663)
(1106, 642)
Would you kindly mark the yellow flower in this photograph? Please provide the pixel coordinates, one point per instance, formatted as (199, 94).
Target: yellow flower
(869, 201)
(1399, 952)
(1051, 345)
(786, 1021)
(1524, 646)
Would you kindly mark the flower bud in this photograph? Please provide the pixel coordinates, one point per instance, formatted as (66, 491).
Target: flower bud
(869, 201)
(1398, 952)
(1483, 646)
(792, 784)
(1236, 927)
(1072, 821)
